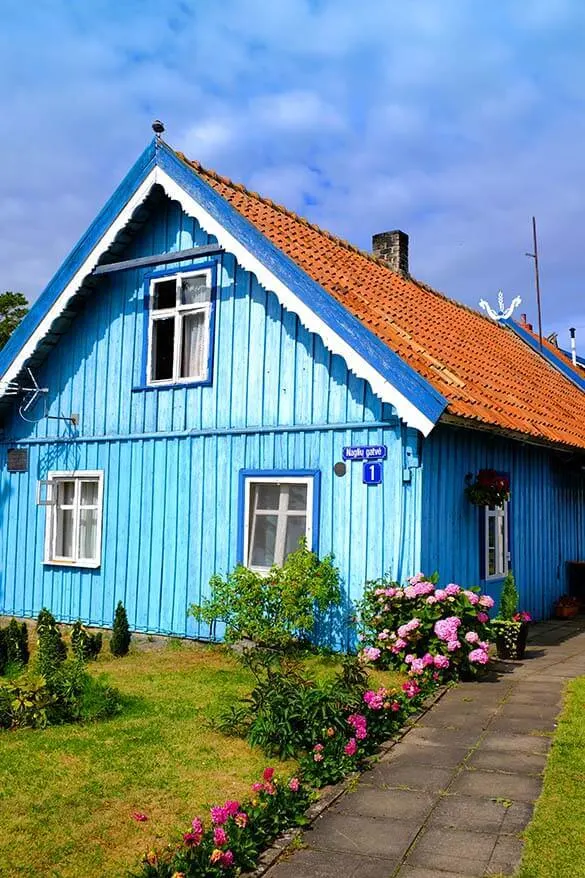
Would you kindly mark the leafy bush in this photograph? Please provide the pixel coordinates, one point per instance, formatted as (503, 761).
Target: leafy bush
(424, 629)
(120, 642)
(236, 833)
(13, 645)
(275, 610)
(286, 712)
(3, 651)
(85, 646)
(52, 651)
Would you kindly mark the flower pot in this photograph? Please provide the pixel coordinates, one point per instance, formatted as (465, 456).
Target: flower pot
(566, 612)
(510, 646)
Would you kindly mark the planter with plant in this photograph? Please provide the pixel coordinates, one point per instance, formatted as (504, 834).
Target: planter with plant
(567, 607)
(487, 488)
(510, 625)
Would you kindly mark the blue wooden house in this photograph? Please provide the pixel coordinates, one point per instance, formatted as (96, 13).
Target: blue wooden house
(209, 377)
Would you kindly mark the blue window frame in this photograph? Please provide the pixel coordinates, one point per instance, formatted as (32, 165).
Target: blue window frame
(179, 323)
(276, 509)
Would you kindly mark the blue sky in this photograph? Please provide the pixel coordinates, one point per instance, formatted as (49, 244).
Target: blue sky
(455, 120)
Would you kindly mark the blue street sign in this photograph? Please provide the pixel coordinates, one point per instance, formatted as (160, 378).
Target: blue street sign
(364, 452)
(372, 474)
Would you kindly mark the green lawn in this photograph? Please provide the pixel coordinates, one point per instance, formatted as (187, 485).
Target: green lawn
(67, 793)
(555, 839)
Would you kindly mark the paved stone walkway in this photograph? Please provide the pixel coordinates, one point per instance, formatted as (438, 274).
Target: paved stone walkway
(452, 797)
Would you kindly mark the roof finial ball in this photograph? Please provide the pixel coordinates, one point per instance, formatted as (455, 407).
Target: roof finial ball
(158, 128)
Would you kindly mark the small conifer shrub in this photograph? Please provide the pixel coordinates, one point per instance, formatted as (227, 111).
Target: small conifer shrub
(52, 651)
(120, 642)
(508, 598)
(85, 645)
(3, 650)
(16, 635)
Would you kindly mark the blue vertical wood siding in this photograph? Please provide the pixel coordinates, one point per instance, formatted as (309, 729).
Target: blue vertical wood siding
(547, 521)
(171, 457)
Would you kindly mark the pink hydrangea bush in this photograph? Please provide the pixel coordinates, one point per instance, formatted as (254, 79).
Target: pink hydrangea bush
(430, 632)
(230, 840)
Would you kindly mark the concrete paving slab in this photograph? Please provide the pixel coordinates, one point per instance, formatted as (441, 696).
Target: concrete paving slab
(516, 743)
(512, 762)
(444, 756)
(409, 776)
(517, 818)
(522, 725)
(506, 856)
(440, 848)
(496, 784)
(439, 737)
(330, 864)
(373, 802)
(373, 837)
(418, 872)
(537, 710)
(474, 813)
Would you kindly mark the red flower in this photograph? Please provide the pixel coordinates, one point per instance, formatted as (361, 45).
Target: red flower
(268, 774)
(139, 817)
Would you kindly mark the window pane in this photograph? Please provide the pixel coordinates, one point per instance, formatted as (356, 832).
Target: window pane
(66, 493)
(89, 494)
(64, 533)
(87, 533)
(501, 547)
(297, 497)
(265, 496)
(194, 347)
(165, 294)
(264, 541)
(194, 290)
(163, 345)
(491, 545)
(296, 527)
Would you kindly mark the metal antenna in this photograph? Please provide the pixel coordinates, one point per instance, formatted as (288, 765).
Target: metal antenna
(537, 278)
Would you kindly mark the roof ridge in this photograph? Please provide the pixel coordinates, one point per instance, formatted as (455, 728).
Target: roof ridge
(281, 208)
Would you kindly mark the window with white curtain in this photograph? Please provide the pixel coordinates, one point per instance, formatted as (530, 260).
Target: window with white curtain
(74, 519)
(179, 328)
(496, 541)
(278, 512)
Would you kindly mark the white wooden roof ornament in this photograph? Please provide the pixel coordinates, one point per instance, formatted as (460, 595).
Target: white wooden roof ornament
(503, 313)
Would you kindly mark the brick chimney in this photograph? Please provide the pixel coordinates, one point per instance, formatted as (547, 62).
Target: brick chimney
(392, 247)
(524, 322)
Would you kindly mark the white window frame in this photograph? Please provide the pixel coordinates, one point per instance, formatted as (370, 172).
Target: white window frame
(502, 553)
(77, 476)
(179, 312)
(309, 481)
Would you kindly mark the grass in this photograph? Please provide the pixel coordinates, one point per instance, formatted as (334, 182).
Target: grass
(67, 794)
(555, 839)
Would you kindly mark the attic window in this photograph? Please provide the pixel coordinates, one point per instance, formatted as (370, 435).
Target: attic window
(179, 328)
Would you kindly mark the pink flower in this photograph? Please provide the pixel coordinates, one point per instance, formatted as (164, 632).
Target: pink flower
(218, 815)
(257, 787)
(417, 666)
(318, 757)
(471, 597)
(432, 599)
(483, 644)
(359, 723)
(486, 601)
(197, 826)
(451, 590)
(427, 660)
(227, 859)
(351, 747)
(294, 784)
(241, 819)
(441, 662)
(395, 706)
(411, 688)
(374, 700)
(479, 656)
(440, 594)
(139, 817)
(383, 635)
(452, 645)
(446, 629)
(409, 658)
(219, 836)
(482, 617)
(231, 808)
(318, 747)
(472, 637)
(268, 774)
(317, 753)
(400, 644)
(371, 653)
(192, 839)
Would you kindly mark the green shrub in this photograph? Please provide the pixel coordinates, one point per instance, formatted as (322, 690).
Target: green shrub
(52, 651)
(17, 643)
(120, 642)
(278, 609)
(508, 598)
(25, 702)
(85, 646)
(3, 651)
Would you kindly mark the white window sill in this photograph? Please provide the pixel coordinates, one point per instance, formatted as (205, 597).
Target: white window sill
(62, 562)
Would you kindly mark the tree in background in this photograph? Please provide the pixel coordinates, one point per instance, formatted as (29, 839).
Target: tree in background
(13, 307)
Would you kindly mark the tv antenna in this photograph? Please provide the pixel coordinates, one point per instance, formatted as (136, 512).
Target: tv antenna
(536, 278)
(32, 391)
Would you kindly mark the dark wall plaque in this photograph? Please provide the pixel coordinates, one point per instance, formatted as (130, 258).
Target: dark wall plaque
(17, 460)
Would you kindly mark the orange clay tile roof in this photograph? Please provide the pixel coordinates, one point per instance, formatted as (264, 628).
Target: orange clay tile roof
(488, 374)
